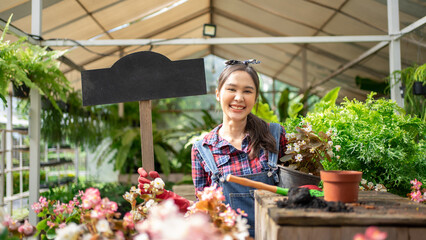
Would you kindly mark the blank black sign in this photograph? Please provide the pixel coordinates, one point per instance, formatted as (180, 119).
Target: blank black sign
(142, 76)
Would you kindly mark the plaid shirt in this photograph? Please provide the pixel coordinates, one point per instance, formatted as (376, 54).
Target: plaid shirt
(229, 160)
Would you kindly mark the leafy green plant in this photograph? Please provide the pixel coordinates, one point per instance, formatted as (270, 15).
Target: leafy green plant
(263, 111)
(377, 138)
(306, 149)
(414, 105)
(22, 63)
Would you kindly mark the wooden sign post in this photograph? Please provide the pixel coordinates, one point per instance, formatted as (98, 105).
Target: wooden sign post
(144, 76)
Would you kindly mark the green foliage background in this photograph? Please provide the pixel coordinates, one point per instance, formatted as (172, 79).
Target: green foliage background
(376, 137)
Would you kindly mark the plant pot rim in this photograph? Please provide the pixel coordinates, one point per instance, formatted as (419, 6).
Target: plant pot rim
(297, 172)
(341, 175)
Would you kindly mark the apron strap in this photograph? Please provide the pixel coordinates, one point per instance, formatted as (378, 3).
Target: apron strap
(208, 158)
(275, 130)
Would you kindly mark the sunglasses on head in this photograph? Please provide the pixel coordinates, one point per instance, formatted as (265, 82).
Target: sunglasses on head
(246, 62)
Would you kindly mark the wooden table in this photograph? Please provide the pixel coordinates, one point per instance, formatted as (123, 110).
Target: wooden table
(399, 217)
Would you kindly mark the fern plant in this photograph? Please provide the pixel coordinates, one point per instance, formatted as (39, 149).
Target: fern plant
(22, 63)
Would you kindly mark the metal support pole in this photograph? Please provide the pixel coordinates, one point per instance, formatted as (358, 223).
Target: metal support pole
(394, 52)
(304, 70)
(3, 157)
(21, 178)
(34, 123)
(76, 162)
(9, 156)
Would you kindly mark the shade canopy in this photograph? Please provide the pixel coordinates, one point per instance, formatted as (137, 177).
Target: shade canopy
(183, 19)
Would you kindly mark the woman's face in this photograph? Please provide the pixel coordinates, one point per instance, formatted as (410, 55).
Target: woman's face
(237, 96)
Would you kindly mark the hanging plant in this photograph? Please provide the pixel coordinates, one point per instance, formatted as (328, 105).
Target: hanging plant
(413, 79)
(24, 64)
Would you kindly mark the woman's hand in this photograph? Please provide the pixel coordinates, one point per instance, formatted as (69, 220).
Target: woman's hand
(181, 202)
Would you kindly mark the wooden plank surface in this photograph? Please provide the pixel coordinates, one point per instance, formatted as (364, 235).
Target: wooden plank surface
(372, 208)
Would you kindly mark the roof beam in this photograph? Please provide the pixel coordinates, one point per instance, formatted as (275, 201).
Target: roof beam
(31, 39)
(373, 50)
(216, 41)
(158, 31)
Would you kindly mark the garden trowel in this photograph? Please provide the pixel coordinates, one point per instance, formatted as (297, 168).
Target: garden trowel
(267, 187)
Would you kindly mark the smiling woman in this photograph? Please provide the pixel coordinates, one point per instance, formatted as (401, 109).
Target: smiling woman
(243, 145)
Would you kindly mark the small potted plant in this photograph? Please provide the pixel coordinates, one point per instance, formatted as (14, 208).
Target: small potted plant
(305, 150)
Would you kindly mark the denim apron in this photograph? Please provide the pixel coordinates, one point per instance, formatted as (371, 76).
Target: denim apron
(236, 195)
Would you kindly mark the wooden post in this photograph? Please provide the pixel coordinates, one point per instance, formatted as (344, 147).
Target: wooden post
(146, 135)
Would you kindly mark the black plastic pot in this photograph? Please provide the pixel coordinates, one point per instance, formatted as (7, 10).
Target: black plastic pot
(22, 91)
(419, 88)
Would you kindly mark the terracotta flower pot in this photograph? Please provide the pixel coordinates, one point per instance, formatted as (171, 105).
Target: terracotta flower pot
(341, 185)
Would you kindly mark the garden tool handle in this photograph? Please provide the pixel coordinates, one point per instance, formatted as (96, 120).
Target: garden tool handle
(250, 183)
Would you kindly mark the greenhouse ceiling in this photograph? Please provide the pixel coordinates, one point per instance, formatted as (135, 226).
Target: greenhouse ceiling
(289, 62)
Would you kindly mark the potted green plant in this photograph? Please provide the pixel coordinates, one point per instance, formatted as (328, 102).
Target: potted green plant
(306, 149)
(413, 80)
(376, 138)
(24, 64)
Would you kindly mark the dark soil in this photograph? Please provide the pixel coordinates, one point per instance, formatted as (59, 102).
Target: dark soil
(300, 198)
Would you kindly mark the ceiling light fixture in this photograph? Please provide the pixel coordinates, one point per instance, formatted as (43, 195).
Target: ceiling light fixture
(209, 30)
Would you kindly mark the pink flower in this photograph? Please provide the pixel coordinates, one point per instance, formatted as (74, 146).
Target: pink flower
(416, 184)
(211, 192)
(416, 196)
(50, 224)
(119, 235)
(229, 216)
(98, 213)
(371, 233)
(12, 224)
(27, 229)
(91, 198)
(38, 206)
(359, 236)
(60, 208)
(128, 221)
(62, 225)
(109, 206)
(242, 212)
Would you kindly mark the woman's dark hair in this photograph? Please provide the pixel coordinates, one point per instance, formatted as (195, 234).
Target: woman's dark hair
(258, 130)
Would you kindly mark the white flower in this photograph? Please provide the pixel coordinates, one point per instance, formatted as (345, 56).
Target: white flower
(103, 226)
(330, 143)
(296, 148)
(337, 147)
(338, 157)
(142, 236)
(308, 128)
(299, 157)
(329, 132)
(303, 143)
(361, 188)
(370, 185)
(312, 150)
(363, 181)
(70, 232)
(242, 228)
(380, 188)
(150, 203)
(146, 186)
(128, 196)
(158, 183)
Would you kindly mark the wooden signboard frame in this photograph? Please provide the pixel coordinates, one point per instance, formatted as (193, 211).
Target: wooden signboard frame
(144, 76)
